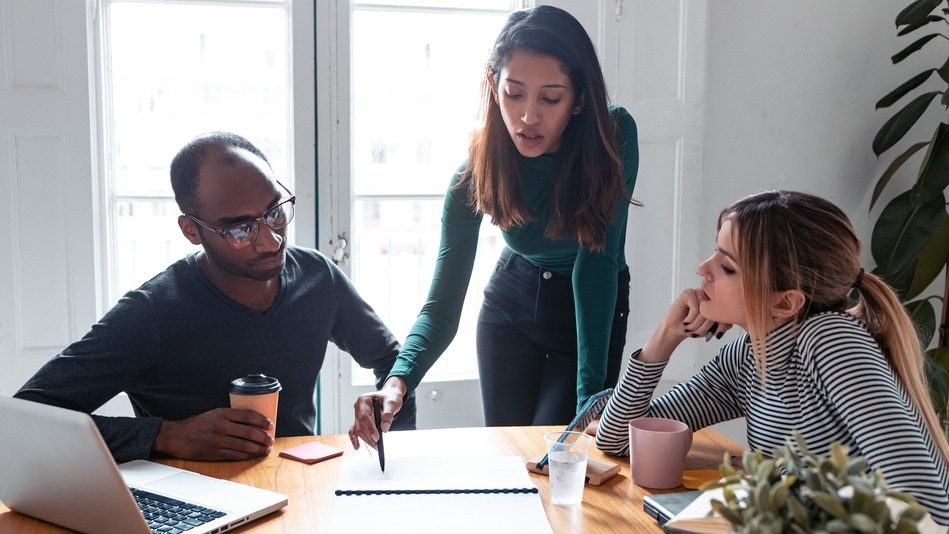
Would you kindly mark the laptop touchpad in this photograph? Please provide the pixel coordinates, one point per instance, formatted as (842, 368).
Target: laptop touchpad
(187, 482)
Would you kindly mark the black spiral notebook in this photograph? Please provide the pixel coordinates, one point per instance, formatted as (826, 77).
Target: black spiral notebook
(432, 475)
(447, 494)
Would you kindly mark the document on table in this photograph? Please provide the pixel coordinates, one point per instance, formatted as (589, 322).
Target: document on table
(481, 494)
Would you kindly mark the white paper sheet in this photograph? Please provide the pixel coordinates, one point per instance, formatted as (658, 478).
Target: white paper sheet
(487, 513)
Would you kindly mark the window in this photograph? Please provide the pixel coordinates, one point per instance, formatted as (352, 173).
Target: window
(172, 71)
(416, 80)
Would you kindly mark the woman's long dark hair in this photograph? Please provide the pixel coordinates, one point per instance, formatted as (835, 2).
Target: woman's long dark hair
(588, 181)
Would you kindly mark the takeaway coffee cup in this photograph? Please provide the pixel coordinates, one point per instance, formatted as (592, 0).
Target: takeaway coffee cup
(657, 449)
(258, 393)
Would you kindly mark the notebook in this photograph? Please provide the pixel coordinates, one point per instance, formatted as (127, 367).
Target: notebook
(477, 494)
(55, 466)
(697, 516)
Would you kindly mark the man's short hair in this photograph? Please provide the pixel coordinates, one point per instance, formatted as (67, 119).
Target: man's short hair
(186, 164)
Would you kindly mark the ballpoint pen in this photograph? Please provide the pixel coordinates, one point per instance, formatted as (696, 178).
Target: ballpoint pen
(377, 416)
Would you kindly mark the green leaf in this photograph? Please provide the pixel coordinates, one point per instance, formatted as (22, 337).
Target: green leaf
(937, 372)
(791, 465)
(913, 48)
(916, 11)
(750, 459)
(934, 172)
(765, 469)
(762, 496)
(901, 122)
(901, 496)
(902, 231)
(924, 316)
(881, 512)
(939, 356)
(930, 262)
(829, 475)
(891, 170)
(906, 87)
(729, 494)
(729, 514)
(863, 523)
(861, 503)
(914, 513)
(900, 280)
(812, 480)
(830, 504)
(838, 457)
(798, 511)
(944, 73)
(919, 24)
(801, 444)
(861, 486)
(857, 466)
(779, 495)
(905, 526)
(838, 526)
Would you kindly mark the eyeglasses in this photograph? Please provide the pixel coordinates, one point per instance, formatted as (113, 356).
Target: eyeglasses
(243, 234)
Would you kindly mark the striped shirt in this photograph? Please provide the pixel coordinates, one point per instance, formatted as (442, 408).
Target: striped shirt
(826, 378)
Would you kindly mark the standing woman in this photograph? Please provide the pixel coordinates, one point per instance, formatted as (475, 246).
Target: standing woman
(554, 167)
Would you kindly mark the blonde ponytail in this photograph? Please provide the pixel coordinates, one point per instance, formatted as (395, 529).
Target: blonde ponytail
(880, 310)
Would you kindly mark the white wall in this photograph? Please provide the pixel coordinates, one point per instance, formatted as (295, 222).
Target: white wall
(791, 94)
(792, 88)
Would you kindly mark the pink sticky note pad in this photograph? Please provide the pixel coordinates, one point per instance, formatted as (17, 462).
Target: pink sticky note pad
(310, 453)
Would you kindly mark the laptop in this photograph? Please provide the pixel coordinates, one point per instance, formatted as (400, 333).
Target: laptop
(55, 466)
(664, 506)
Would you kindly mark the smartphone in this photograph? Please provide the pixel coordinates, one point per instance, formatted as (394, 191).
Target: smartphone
(591, 409)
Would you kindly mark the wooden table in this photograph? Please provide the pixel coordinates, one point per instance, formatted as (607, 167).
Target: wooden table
(615, 506)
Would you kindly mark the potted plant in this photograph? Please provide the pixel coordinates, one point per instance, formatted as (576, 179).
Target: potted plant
(797, 491)
(910, 240)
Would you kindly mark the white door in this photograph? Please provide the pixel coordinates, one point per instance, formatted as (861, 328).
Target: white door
(653, 58)
(48, 286)
(657, 70)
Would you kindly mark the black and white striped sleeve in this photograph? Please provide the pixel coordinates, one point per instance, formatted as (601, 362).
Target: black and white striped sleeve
(711, 396)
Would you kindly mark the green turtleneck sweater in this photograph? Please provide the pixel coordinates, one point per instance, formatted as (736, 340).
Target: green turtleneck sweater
(593, 273)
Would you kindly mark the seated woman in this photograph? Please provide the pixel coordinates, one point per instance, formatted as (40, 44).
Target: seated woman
(811, 359)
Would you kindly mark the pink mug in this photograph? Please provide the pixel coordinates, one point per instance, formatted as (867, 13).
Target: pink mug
(657, 449)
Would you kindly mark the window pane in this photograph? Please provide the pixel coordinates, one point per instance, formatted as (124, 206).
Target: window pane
(416, 99)
(396, 242)
(415, 104)
(174, 71)
(446, 4)
(147, 239)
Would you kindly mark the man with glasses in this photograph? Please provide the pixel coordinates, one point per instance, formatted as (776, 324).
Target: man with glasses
(246, 303)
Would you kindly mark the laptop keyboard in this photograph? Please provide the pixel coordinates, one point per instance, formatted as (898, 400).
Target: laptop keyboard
(170, 516)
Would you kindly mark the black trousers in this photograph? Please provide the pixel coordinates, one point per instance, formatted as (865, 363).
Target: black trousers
(527, 344)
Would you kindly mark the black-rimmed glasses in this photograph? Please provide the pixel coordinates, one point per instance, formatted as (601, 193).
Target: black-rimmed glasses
(243, 234)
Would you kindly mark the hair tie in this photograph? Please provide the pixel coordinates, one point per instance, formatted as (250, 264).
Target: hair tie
(856, 283)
